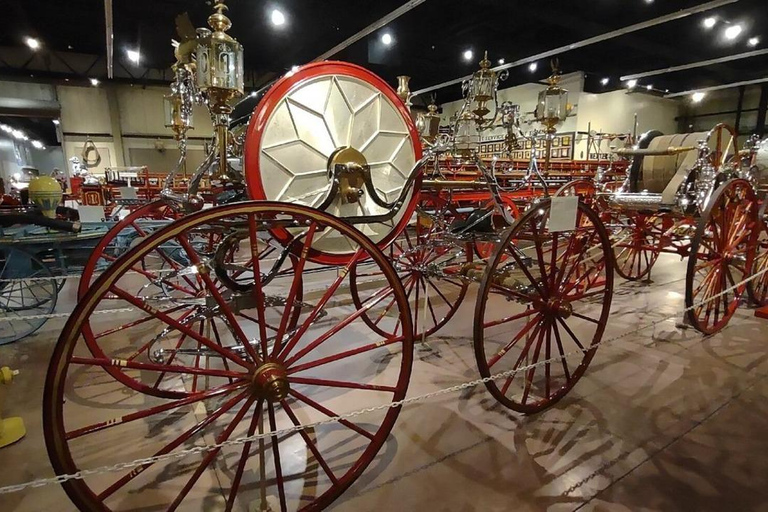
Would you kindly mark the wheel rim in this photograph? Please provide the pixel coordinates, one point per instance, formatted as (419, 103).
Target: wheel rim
(429, 269)
(758, 287)
(27, 288)
(557, 305)
(722, 255)
(240, 399)
(636, 246)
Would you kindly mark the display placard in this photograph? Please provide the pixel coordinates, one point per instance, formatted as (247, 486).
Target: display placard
(563, 213)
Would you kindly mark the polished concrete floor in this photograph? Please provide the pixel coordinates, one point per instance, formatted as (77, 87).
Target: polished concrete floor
(663, 420)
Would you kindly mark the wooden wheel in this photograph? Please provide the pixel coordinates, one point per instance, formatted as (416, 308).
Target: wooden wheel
(636, 244)
(28, 289)
(256, 380)
(758, 287)
(722, 256)
(429, 268)
(550, 298)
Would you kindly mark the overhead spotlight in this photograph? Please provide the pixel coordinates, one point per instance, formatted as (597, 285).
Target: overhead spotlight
(277, 18)
(649, 87)
(605, 81)
(697, 97)
(468, 54)
(501, 61)
(532, 67)
(732, 32)
(56, 122)
(753, 41)
(709, 22)
(32, 43)
(386, 38)
(133, 56)
(6, 128)
(94, 82)
(37, 144)
(18, 134)
(254, 94)
(649, 1)
(631, 84)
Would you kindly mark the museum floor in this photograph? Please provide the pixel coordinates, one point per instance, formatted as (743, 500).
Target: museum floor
(663, 420)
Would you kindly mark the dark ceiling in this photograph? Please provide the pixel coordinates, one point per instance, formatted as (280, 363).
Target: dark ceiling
(429, 40)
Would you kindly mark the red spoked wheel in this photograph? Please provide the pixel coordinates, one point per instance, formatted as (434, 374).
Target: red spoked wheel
(257, 382)
(758, 287)
(722, 256)
(584, 189)
(429, 267)
(542, 311)
(636, 244)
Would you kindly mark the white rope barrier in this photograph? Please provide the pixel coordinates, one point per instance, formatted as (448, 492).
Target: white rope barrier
(400, 403)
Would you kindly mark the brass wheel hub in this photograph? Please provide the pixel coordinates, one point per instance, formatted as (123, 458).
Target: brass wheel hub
(349, 166)
(562, 307)
(270, 381)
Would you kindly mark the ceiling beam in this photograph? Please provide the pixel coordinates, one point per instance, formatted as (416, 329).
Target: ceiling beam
(717, 87)
(373, 27)
(694, 65)
(593, 40)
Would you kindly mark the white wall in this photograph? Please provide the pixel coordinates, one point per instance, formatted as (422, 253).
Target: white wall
(613, 112)
(141, 121)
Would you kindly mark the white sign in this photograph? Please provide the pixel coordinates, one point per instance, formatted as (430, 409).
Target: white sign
(91, 213)
(562, 216)
(128, 193)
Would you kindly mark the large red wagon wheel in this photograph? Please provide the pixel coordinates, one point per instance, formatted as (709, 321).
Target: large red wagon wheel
(636, 244)
(542, 310)
(329, 363)
(758, 287)
(429, 267)
(163, 275)
(722, 256)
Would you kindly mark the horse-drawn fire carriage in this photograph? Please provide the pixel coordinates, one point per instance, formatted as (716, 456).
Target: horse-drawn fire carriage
(278, 314)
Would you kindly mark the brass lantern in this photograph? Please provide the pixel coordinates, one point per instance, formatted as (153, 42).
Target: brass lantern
(429, 124)
(219, 62)
(466, 140)
(553, 107)
(482, 87)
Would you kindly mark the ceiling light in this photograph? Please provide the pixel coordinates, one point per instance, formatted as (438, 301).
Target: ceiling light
(468, 54)
(56, 122)
(133, 56)
(278, 18)
(697, 97)
(753, 41)
(709, 22)
(18, 134)
(732, 32)
(6, 128)
(37, 144)
(649, 87)
(532, 67)
(501, 61)
(605, 81)
(32, 43)
(631, 84)
(254, 94)
(94, 82)
(386, 38)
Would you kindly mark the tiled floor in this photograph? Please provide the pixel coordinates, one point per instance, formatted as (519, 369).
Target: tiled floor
(663, 420)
